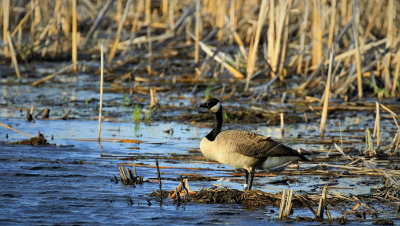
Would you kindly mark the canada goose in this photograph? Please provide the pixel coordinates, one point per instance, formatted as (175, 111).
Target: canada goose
(243, 150)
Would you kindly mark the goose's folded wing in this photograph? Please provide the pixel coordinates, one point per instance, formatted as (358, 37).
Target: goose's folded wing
(257, 146)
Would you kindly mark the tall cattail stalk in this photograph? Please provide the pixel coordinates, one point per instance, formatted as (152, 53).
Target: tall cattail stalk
(284, 29)
(150, 54)
(253, 49)
(317, 31)
(147, 11)
(324, 114)
(332, 24)
(303, 33)
(118, 15)
(197, 32)
(396, 73)
(372, 17)
(13, 56)
(139, 9)
(282, 124)
(164, 8)
(357, 49)
(277, 35)
(232, 16)
(74, 37)
(6, 16)
(171, 15)
(220, 18)
(101, 88)
(391, 35)
(118, 35)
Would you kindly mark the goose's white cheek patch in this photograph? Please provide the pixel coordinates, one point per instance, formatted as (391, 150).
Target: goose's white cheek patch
(216, 107)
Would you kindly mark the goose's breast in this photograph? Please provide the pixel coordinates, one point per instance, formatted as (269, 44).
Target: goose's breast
(226, 154)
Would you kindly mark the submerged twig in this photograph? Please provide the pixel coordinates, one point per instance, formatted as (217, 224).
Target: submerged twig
(9, 127)
(159, 180)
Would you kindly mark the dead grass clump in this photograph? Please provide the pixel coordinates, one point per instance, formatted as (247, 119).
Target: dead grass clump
(35, 141)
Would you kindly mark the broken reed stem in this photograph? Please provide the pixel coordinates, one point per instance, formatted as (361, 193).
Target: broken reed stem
(286, 203)
(351, 52)
(122, 174)
(377, 132)
(15, 130)
(159, 180)
(101, 87)
(289, 203)
(322, 203)
(13, 56)
(153, 98)
(52, 75)
(74, 37)
(197, 32)
(282, 206)
(130, 176)
(209, 52)
(370, 146)
(324, 114)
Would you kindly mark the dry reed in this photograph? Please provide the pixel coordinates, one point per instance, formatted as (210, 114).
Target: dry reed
(74, 37)
(15, 130)
(101, 88)
(272, 37)
(324, 114)
(13, 56)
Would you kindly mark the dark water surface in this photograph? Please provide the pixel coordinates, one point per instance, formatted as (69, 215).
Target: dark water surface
(71, 183)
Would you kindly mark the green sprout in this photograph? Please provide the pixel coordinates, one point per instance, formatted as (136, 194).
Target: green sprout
(207, 92)
(136, 114)
(225, 116)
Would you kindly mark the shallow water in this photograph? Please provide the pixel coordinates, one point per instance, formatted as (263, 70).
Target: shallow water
(71, 182)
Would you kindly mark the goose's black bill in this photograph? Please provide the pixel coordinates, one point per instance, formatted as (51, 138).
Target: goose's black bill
(209, 103)
(203, 105)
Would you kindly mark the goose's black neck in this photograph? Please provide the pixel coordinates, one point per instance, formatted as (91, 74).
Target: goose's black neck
(217, 126)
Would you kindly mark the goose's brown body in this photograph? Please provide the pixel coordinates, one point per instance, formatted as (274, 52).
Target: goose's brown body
(246, 150)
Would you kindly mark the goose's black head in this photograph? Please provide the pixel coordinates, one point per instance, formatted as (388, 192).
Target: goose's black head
(213, 104)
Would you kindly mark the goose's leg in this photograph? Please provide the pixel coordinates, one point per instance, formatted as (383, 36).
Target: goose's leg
(251, 179)
(246, 176)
